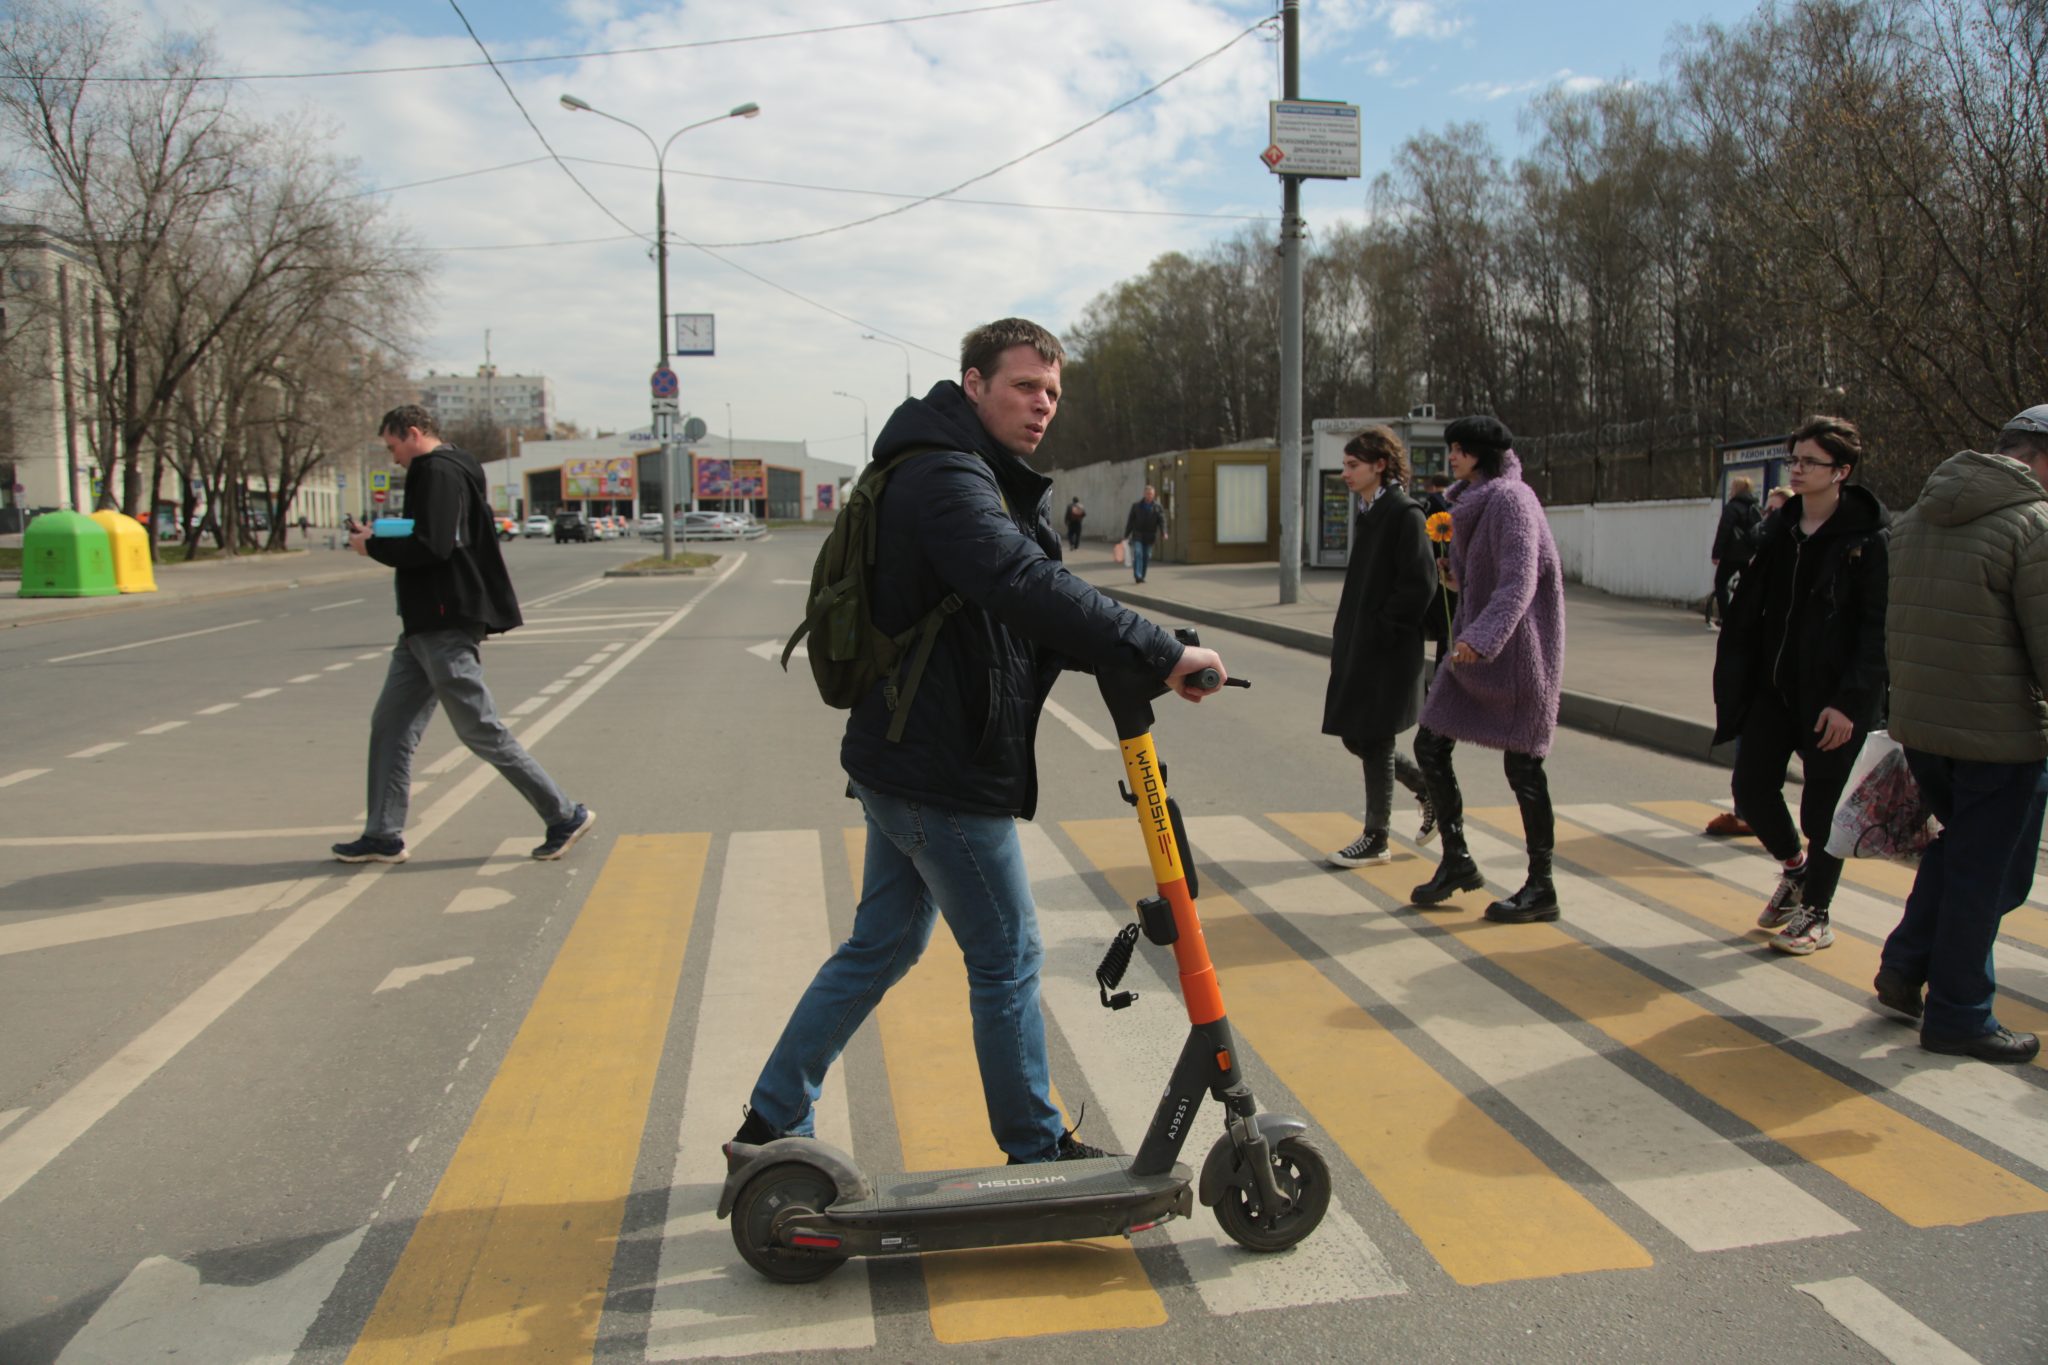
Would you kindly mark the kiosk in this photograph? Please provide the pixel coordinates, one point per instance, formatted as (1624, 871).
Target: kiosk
(1328, 524)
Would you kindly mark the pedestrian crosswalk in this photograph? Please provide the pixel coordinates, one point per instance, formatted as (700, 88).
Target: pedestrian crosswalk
(1637, 1084)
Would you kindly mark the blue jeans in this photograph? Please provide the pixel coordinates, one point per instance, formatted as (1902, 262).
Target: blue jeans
(1981, 867)
(1141, 559)
(922, 862)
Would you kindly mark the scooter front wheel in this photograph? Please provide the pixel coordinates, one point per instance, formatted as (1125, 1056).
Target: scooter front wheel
(769, 1200)
(1302, 1175)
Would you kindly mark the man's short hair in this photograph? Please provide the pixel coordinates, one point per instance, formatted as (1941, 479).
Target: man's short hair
(981, 348)
(1838, 436)
(1439, 482)
(1381, 443)
(404, 418)
(1484, 438)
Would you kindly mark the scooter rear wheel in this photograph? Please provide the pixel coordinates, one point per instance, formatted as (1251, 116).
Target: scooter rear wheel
(770, 1199)
(1303, 1176)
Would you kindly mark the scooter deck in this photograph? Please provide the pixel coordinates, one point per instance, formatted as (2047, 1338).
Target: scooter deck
(987, 1187)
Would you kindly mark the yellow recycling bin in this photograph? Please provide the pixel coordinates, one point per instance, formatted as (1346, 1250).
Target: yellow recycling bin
(130, 544)
(66, 554)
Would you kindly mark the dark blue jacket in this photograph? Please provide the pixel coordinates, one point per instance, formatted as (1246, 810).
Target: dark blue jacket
(974, 519)
(450, 572)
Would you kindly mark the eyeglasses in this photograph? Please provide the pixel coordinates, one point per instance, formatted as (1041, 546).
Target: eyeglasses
(1801, 462)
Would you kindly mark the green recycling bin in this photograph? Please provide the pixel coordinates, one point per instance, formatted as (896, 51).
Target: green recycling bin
(67, 554)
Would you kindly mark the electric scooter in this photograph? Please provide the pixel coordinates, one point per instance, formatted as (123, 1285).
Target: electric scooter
(800, 1207)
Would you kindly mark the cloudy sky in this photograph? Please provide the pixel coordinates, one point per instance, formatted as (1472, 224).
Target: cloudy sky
(855, 122)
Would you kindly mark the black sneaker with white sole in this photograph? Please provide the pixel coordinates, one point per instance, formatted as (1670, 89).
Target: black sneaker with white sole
(563, 833)
(370, 849)
(1369, 847)
(1427, 831)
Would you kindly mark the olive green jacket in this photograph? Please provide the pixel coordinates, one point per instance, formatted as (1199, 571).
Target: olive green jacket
(1967, 633)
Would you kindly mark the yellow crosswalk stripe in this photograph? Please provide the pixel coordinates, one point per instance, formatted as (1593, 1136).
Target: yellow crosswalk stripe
(2028, 924)
(1922, 1177)
(1853, 961)
(942, 1122)
(1485, 1206)
(511, 1258)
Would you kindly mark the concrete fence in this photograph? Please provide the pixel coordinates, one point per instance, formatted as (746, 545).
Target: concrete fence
(1652, 550)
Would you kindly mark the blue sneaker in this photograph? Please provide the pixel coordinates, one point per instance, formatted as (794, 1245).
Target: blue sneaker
(563, 833)
(370, 849)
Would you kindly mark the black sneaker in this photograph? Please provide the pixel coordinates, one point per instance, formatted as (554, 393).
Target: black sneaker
(1895, 992)
(1071, 1148)
(370, 849)
(755, 1131)
(1369, 847)
(1428, 829)
(564, 833)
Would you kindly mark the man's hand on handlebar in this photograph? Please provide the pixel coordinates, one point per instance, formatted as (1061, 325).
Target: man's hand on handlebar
(1194, 659)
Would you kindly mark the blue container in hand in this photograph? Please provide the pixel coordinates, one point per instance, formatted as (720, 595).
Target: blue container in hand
(391, 526)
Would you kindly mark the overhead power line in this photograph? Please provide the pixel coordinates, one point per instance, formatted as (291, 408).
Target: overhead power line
(574, 56)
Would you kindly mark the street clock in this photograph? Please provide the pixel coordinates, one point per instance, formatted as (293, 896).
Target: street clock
(696, 334)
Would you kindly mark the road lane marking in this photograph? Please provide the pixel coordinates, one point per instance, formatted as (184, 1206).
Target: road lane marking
(1124, 1056)
(513, 853)
(336, 668)
(1711, 1194)
(613, 647)
(260, 693)
(512, 1254)
(770, 934)
(1096, 1285)
(575, 589)
(96, 750)
(529, 706)
(1924, 1178)
(374, 654)
(84, 840)
(555, 687)
(159, 640)
(1478, 1200)
(216, 710)
(580, 669)
(22, 775)
(9, 1116)
(400, 977)
(118, 921)
(447, 762)
(350, 603)
(528, 632)
(1888, 1329)
(44, 1137)
(303, 678)
(164, 728)
(1093, 738)
(471, 899)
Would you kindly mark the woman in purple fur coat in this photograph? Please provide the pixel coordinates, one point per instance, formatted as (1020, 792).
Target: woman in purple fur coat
(1499, 686)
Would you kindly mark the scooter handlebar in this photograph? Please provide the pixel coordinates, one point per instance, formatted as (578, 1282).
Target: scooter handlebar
(1205, 678)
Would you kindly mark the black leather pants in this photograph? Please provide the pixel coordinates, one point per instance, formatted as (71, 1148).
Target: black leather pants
(1526, 779)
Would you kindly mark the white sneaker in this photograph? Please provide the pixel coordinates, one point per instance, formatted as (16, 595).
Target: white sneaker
(1785, 902)
(1368, 847)
(1807, 931)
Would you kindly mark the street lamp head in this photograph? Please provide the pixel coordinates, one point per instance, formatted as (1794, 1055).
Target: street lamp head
(571, 102)
(747, 110)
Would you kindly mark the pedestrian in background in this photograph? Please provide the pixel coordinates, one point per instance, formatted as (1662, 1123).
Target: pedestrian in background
(1375, 689)
(1966, 641)
(1076, 514)
(1734, 543)
(1145, 523)
(1501, 684)
(452, 592)
(1435, 494)
(1800, 669)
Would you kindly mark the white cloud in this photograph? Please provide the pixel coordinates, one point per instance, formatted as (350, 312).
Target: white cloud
(1563, 78)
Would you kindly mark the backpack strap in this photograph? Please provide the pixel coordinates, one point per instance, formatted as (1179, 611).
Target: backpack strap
(927, 632)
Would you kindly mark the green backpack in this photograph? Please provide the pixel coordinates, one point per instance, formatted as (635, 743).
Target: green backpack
(848, 654)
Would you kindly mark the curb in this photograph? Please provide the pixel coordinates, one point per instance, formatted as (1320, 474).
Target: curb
(1625, 721)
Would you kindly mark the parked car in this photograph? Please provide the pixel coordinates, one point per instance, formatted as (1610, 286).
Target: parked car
(538, 525)
(508, 527)
(571, 526)
(650, 523)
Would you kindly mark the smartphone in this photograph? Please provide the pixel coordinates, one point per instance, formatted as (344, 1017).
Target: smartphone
(348, 522)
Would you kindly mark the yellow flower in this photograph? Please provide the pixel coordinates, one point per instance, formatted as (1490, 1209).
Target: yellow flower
(1439, 527)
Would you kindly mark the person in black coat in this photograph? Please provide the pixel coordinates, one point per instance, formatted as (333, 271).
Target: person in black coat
(1800, 668)
(1734, 543)
(1376, 675)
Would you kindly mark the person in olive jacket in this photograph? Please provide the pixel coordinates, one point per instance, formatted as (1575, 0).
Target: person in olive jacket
(964, 515)
(1375, 689)
(1800, 669)
(1967, 643)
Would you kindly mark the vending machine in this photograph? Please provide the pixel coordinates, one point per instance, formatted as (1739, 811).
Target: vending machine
(1329, 515)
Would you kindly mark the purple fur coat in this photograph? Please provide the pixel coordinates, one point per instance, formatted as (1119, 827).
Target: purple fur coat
(1511, 611)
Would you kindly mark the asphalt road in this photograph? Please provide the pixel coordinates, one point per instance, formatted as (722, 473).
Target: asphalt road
(259, 1106)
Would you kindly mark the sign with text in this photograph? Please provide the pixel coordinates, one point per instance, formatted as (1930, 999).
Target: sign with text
(612, 478)
(826, 493)
(731, 478)
(1318, 138)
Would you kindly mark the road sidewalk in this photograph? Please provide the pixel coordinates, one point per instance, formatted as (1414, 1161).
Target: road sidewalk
(202, 579)
(1636, 671)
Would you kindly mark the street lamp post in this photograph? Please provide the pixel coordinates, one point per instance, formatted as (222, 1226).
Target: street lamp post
(870, 336)
(842, 393)
(663, 421)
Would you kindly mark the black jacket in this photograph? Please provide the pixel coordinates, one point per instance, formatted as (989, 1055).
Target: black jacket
(1807, 618)
(450, 572)
(1735, 539)
(1375, 686)
(1145, 522)
(974, 519)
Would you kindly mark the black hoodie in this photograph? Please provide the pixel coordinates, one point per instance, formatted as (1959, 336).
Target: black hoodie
(1807, 618)
(973, 518)
(450, 571)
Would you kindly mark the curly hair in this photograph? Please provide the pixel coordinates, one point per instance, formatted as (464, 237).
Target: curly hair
(1380, 443)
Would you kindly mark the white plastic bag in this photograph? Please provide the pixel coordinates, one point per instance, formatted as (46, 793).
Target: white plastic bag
(1882, 813)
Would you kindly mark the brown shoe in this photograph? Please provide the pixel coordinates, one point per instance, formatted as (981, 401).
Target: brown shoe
(1728, 825)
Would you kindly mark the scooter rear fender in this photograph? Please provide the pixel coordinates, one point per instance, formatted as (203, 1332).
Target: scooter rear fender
(1216, 1171)
(744, 1161)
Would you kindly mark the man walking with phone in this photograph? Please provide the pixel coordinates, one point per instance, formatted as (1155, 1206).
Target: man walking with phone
(452, 591)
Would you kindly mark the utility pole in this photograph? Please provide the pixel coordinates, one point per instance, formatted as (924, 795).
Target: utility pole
(1291, 226)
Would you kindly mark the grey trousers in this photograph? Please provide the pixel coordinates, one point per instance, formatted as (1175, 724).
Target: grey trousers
(444, 666)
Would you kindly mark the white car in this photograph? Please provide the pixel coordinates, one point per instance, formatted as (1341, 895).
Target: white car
(539, 526)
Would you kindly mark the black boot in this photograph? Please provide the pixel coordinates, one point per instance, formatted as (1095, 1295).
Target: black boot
(1457, 872)
(1537, 900)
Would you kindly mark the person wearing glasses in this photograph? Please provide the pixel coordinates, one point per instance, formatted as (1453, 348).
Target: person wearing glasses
(1800, 669)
